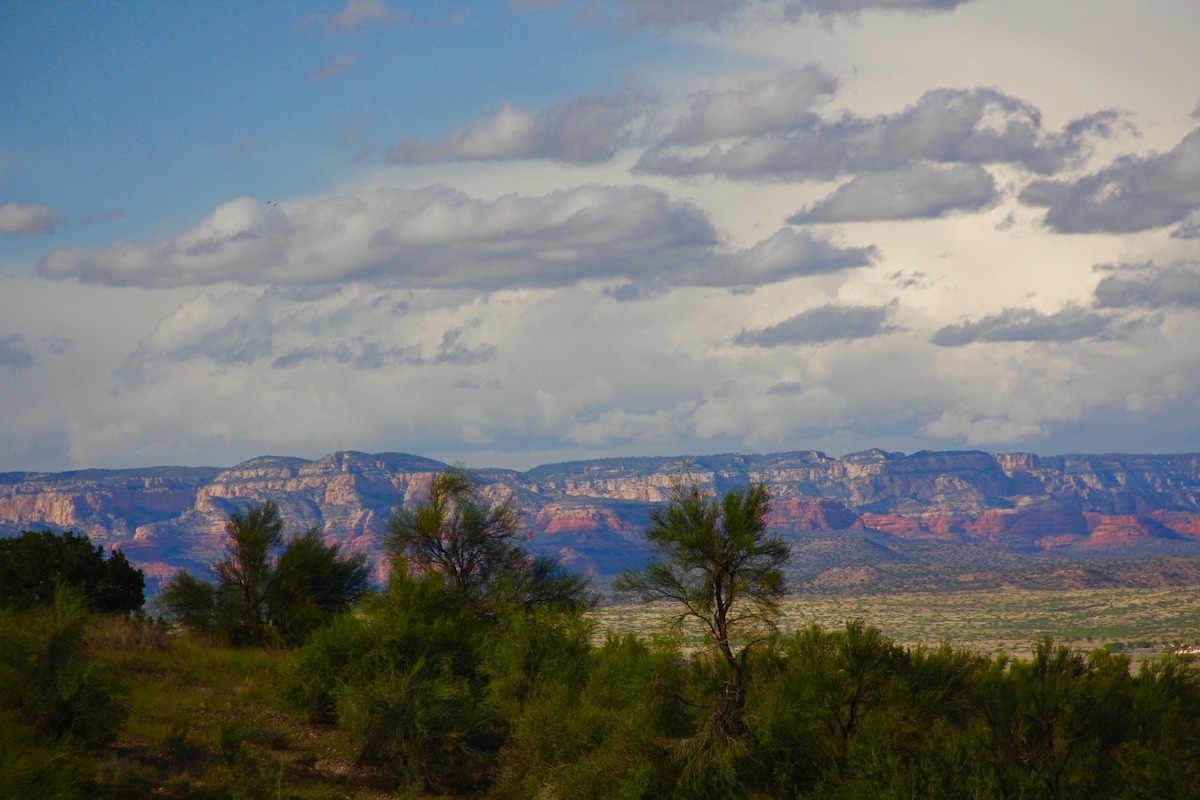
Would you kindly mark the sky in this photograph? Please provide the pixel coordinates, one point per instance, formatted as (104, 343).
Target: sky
(515, 233)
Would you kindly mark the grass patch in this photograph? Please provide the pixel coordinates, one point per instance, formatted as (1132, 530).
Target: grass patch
(204, 724)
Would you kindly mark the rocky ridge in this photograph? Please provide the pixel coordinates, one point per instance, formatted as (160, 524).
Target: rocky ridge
(590, 514)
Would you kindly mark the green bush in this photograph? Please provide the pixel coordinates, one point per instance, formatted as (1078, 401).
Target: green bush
(32, 769)
(594, 726)
(261, 598)
(47, 681)
(402, 677)
(312, 583)
(34, 565)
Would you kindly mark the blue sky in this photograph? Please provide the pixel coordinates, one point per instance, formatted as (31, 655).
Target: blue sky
(514, 233)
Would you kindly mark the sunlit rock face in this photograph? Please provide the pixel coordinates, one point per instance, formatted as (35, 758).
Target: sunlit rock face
(591, 514)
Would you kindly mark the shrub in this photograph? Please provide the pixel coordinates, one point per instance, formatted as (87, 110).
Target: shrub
(35, 564)
(263, 599)
(50, 684)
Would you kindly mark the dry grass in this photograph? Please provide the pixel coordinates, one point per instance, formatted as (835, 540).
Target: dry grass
(1143, 621)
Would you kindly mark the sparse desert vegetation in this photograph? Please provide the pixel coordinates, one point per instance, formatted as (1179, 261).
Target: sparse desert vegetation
(484, 672)
(1145, 622)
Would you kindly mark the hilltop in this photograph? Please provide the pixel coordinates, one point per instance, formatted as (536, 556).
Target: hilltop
(864, 519)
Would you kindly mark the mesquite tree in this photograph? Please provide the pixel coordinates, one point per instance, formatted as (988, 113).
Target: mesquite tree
(716, 564)
(474, 546)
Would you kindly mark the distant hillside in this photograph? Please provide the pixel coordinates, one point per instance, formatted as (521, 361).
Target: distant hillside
(866, 518)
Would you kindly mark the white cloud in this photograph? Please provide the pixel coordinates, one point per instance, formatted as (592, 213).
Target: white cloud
(970, 126)
(440, 238)
(795, 9)
(917, 191)
(785, 254)
(1151, 286)
(782, 103)
(822, 324)
(20, 218)
(583, 130)
(561, 408)
(618, 426)
(1135, 193)
(467, 302)
(664, 14)
(980, 431)
(1027, 325)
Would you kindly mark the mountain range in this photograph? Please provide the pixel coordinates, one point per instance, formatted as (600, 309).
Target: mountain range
(868, 520)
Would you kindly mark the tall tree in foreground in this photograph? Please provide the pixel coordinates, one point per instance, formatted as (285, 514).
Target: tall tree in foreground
(473, 545)
(247, 571)
(715, 563)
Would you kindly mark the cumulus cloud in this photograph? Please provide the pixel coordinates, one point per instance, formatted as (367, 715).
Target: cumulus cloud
(13, 352)
(438, 237)
(918, 191)
(664, 14)
(782, 103)
(583, 130)
(786, 388)
(361, 353)
(356, 14)
(978, 430)
(620, 426)
(282, 327)
(796, 8)
(668, 13)
(433, 237)
(971, 126)
(1177, 285)
(21, 218)
(1189, 228)
(1135, 193)
(786, 254)
(827, 323)
(1027, 325)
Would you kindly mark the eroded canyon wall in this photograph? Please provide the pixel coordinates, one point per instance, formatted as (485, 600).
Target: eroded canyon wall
(590, 514)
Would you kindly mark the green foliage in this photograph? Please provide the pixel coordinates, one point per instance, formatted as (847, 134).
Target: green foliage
(714, 562)
(261, 598)
(495, 687)
(472, 546)
(402, 678)
(185, 600)
(246, 573)
(34, 564)
(34, 769)
(1057, 719)
(848, 713)
(313, 582)
(539, 581)
(429, 697)
(455, 535)
(49, 684)
(592, 724)
(1162, 755)
(430, 674)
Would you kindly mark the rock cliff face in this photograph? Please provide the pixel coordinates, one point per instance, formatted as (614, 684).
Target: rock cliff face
(591, 514)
